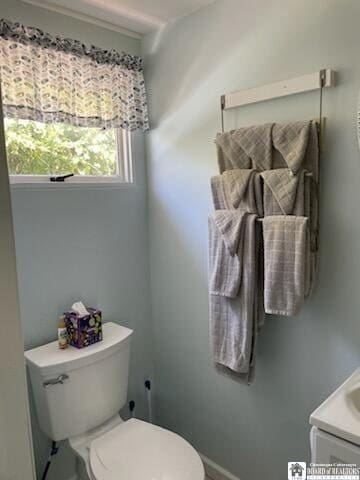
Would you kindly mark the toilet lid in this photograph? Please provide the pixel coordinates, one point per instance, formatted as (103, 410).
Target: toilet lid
(138, 450)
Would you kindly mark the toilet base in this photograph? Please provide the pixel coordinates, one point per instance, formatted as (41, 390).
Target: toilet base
(81, 470)
(80, 445)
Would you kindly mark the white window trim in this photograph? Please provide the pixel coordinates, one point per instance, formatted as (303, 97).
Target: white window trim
(123, 178)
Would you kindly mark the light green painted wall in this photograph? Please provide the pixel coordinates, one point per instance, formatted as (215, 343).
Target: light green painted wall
(230, 45)
(83, 243)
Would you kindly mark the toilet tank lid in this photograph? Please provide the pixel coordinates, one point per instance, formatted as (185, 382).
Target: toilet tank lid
(50, 359)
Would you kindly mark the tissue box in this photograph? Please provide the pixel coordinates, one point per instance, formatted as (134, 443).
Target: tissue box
(84, 330)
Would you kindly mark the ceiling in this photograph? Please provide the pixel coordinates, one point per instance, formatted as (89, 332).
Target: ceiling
(139, 16)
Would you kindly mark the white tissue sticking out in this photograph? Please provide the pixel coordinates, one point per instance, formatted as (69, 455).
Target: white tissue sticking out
(79, 308)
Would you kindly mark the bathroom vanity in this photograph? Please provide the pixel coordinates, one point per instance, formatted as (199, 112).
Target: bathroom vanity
(335, 435)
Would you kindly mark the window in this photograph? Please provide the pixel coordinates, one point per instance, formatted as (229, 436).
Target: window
(37, 151)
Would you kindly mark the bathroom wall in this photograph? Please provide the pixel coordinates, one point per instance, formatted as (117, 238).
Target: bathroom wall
(16, 453)
(230, 45)
(87, 242)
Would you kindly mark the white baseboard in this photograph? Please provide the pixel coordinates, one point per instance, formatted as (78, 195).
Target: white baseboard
(214, 471)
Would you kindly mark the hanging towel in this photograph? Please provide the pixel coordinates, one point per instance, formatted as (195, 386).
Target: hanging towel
(285, 266)
(291, 140)
(238, 189)
(288, 194)
(289, 191)
(311, 159)
(256, 141)
(230, 154)
(292, 145)
(236, 249)
(226, 235)
(284, 192)
(238, 184)
(245, 148)
(233, 319)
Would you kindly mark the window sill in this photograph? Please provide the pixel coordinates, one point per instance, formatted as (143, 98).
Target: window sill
(72, 183)
(70, 186)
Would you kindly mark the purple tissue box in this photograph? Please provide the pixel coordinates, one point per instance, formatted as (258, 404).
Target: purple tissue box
(84, 331)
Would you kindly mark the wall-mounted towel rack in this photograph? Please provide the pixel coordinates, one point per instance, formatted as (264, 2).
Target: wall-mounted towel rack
(305, 83)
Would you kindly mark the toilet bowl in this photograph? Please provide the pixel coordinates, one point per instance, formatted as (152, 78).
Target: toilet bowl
(78, 394)
(136, 449)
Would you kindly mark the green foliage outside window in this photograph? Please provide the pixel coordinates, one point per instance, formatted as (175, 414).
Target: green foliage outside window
(35, 148)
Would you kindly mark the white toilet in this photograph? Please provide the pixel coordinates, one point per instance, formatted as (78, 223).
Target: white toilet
(78, 394)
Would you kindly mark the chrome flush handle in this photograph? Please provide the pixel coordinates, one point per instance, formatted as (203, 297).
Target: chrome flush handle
(55, 381)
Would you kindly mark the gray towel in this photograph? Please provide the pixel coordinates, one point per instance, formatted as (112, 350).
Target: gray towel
(291, 140)
(230, 154)
(226, 235)
(288, 191)
(285, 266)
(249, 147)
(284, 192)
(238, 189)
(256, 141)
(291, 145)
(235, 259)
(288, 194)
(234, 321)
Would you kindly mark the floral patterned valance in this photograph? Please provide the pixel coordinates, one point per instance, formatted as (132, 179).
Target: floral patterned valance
(53, 79)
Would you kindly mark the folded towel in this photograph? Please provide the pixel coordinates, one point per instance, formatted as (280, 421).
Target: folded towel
(249, 147)
(236, 183)
(226, 234)
(234, 319)
(238, 189)
(285, 266)
(256, 141)
(235, 257)
(291, 140)
(263, 147)
(284, 192)
(230, 154)
(288, 194)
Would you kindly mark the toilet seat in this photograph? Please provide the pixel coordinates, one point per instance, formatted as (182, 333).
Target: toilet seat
(137, 450)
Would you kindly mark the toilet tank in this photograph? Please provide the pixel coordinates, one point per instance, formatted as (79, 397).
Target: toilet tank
(76, 390)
